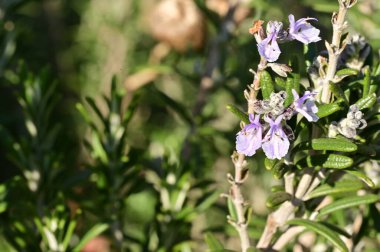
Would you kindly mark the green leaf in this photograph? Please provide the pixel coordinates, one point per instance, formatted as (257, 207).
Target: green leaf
(310, 52)
(366, 102)
(292, 82)
(207, 200)
(270, 163)
(348, 203)
(338, 92)
(362, 176)
(240, 114)
(333, 161)
(279, 170)
(277, 198)
(339, 187)
(346, 72)
(333, 144)
(328, 109)
(266, 84)
(280, 82)
(322, 230)
(232, 209)
(213, 243)
(366, 81)
(92, 233)
(69, 234)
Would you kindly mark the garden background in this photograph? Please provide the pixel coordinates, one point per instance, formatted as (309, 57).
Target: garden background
(114, 131)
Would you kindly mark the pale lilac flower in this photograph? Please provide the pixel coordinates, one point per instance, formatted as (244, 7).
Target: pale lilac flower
(268, 47)
(302, 31)
(248, 140)
(275, 143)
(306, 105)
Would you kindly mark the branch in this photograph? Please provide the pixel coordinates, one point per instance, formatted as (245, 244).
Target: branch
(335, 48)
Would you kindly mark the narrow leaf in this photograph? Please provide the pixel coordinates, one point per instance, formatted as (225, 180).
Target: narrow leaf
(270, 163)
(366, 102)
(277, 198)
(348, 203)
(343, 186)
(322, 230)
(92, 233)
(333, 144)
(347, 72)
(240, 114)
(366, 81)
(212, 242)
(328, 109)
(266, 84)
(232, 209)
(362, 176)
(280, 82)
(333, 161)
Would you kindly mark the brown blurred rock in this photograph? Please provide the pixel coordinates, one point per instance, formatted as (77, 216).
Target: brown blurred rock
(178, 23)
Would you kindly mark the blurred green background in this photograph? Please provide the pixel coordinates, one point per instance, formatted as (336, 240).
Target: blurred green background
(143, 161)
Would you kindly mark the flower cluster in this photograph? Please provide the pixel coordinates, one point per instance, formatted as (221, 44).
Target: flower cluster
(300, 30)
(348, 126)
(272, 133)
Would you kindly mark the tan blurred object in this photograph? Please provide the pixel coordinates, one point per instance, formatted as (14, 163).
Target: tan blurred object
(178, 23)
(222, 6)
(139, 79)
(98, 244)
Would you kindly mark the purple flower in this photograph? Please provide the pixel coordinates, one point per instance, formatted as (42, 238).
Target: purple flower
(268, 47)
(302, 31)
(275, 143)
(306, 105)
(248, 140)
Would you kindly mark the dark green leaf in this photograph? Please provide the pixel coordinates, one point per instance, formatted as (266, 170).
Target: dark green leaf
(333, 161)
(322, 230)
(348, 202)
(362, 176)
(92, 233)
(266, 84)
(333, 144)
(346, 72)
(213, 243)
(366, 102)
(240, 114)
(339, 187)
(277, 198)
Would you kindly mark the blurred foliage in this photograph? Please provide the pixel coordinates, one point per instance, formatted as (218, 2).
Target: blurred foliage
(139, 162)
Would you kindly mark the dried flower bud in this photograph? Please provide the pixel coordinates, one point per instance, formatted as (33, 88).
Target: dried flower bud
(355, 53)
(280, 69)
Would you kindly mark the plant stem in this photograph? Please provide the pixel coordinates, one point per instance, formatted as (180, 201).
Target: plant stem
(241, 174)
(334, 49)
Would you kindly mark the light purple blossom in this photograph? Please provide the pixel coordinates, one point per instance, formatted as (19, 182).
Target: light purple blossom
(268, 47)
(306, 105)
(275, 143)
(303, 31)
(248, 140)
